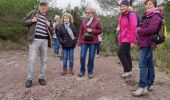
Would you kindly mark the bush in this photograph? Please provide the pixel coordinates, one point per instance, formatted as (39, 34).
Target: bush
(109, 44)
(162, 54)
(12, 12)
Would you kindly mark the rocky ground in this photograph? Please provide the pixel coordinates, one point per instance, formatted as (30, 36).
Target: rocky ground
(106, 85)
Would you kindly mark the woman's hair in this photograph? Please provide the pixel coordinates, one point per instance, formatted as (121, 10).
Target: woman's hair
(92, 10)
(71, 20)
(56, 17)
(153, 1)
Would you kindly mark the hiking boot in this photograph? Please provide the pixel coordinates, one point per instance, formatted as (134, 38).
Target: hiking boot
(28, 83)
(150, 88)
(42, 81)
(64, 72)
(140, 91)
(90, 76)
(71, 72)
(126, 74)
(80, 74)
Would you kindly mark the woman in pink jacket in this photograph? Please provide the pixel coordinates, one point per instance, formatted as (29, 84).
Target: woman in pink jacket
(126, 36)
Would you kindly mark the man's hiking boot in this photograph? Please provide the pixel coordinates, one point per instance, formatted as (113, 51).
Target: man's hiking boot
(28, 83)
(42, 81)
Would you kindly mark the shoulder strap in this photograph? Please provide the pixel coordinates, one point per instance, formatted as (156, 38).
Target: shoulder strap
(128, 16)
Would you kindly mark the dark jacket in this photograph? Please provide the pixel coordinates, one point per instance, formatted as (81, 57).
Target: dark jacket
(31, 26)
(64, 37)
(96, 30)
(150, 25)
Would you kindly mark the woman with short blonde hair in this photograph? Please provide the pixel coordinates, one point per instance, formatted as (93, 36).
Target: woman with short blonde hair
(91, 10)
(88, 39)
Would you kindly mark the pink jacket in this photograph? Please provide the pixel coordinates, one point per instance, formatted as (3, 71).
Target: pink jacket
(127, 32)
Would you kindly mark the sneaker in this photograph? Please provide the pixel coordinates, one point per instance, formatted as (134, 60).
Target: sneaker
(97, 55)
(64, 72)
(28, 83)
(150, 88)
(55, 55)
(71, 72)
(90, 76)
(126, 74)
(42, 81)
(80, 74)
(140, 91)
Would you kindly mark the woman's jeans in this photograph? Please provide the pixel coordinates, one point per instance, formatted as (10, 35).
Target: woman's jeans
(146, 66)
(56, 46)
(68, 53)
(90, 65)
(125, 56)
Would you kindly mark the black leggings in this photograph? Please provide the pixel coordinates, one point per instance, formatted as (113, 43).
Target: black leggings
(125, 56)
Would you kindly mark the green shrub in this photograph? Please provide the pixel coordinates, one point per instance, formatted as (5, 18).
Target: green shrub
(162, 54)
(12, 12)
(109, 44)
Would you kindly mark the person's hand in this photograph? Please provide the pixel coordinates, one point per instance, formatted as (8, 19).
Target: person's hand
(89, 30)
(34, 19)
(48, 23)
(132, 45)
(138, 28)
(117, 29)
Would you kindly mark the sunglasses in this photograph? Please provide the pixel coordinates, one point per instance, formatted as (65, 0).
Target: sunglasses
(87, 12)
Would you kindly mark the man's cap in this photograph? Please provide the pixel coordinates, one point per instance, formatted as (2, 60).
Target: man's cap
(43, 2)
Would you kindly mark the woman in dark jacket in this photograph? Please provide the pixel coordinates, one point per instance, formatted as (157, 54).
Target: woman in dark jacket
(151, 22)
(68, 39)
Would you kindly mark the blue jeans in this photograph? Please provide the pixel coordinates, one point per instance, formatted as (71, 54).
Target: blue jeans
(90, 66)
(146, 66)
(68, 52)
(56, 46)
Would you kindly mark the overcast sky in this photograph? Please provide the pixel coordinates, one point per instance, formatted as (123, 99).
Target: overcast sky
(92, 3)
(64, 3)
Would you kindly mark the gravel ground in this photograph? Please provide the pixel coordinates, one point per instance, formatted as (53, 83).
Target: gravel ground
(106, 84)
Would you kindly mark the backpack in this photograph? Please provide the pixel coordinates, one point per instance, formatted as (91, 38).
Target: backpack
(159, 37)
(138, 18)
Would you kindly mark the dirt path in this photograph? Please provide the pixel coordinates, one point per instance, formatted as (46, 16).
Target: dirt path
(106, 85)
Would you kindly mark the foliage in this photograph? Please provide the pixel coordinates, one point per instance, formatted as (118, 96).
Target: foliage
(109, 44)
(77, 14)
(12, 13)
(167, 14)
